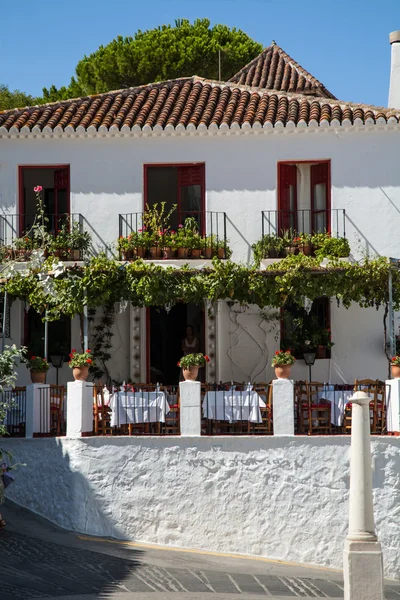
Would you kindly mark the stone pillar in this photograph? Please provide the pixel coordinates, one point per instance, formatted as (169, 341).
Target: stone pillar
(283, 406)
(79, 408)
(393, 406)
(37, 413)
(190, 408)
(363, 563)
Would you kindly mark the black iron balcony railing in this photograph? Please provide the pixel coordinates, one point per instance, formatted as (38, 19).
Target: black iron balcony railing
(279, 222)
(210, 225)
(13, 226)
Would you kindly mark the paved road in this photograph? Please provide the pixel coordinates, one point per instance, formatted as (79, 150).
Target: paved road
(41, 561)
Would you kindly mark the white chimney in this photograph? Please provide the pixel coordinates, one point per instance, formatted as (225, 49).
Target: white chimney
(394, 89)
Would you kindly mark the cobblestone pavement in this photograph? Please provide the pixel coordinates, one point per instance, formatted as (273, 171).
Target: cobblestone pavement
(40, 561)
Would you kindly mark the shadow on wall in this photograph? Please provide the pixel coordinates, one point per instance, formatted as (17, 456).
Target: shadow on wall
(55, 489)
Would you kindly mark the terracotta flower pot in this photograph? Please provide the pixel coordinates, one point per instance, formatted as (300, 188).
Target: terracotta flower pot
(208, 252)
(155, 252)
(321, 351)
(191, 373)
(196, 253)
(283, 371)
(127, 255)
(75, 255)
(182, 253)
(166, 252)
(140, 251)
(306, 249)
(38, 376)
(291, 250)
(221, 252)
(80, 373)
(395, 371)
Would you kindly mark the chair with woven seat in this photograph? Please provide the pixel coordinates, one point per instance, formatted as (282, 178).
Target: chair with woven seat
(264, 390)
(370, 387)
(301, 413)
(57, 394)
(319, 409)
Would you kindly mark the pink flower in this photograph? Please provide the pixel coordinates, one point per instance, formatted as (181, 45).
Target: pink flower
(38, 188)
(180, 226)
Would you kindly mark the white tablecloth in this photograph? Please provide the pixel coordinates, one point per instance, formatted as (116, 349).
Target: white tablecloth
(138, 407)
(338, 400)
(233, 406)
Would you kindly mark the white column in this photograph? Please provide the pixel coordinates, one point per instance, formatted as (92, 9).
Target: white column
(363, 563)
(37, 413)
(283, 406)
(79, 408)
(190, 408)
(393, 406)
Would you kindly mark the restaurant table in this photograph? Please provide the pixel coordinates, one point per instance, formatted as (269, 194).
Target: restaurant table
(138, 407)
(338, 400)
(233, 406)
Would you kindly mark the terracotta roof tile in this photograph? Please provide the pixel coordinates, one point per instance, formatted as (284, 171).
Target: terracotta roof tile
(189, 101)
(273, 69)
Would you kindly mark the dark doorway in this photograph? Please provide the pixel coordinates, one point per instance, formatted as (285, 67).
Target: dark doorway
(165, 335)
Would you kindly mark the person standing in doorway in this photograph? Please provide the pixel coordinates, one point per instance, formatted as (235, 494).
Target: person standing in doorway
(190, 344)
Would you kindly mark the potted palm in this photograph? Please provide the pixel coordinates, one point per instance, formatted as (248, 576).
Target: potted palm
(80, 363)
(190, 365)
(38, 367)
(282, 363)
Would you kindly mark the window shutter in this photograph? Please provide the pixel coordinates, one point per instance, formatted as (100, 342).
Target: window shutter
(287, 197)
(320, 205)
(190, 175)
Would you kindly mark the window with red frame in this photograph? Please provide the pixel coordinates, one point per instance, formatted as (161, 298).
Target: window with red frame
(304, 197)
(303, 331)
(59, 335)
(180, 185)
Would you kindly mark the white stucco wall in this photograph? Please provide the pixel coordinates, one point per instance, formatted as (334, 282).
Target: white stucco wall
(272, 497)
(241, 179)
(247, 343)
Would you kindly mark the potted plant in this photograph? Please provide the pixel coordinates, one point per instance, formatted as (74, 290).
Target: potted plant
(210, 246)
(395, 366)
(156, 245)
(80, 363)
(79, 241)
(38, 367)
(282, 363)
(324, 343)
(191, 363)
(196, 245)
(305, 244)
(124, 248)
(141, 242)
(181, 243)
(23, 247)
(331, 247)
(290, 242)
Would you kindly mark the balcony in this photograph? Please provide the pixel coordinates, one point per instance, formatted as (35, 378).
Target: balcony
(306, 231)
(62, 235)
(200, 235)
(307, 221)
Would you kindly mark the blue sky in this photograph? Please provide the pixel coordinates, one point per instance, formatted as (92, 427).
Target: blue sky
(343, 43)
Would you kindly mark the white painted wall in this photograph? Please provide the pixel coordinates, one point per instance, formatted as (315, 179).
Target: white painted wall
(261, 496)
(247, 343)
(241, 179)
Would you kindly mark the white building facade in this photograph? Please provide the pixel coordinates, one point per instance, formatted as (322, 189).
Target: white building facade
(238, 156)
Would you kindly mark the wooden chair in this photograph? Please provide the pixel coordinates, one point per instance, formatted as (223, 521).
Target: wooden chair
(301, 413)
(370, 387)
(319, 410)
(57, 420)
(101, 412)
(172, 419)
(264, 390)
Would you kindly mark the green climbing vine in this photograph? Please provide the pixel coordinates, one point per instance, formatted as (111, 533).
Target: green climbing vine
(101, 341)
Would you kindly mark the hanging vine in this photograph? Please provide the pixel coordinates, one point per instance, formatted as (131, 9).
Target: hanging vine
(101, 342)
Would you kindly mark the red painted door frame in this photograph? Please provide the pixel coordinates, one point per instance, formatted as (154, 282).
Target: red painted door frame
(21, 207)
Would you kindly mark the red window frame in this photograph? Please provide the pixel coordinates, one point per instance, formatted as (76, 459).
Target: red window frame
(286, 176)
(64, 172)
(188, 174)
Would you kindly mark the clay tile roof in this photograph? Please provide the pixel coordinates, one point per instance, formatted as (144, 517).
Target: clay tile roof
(190, 103)
(273, 69)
